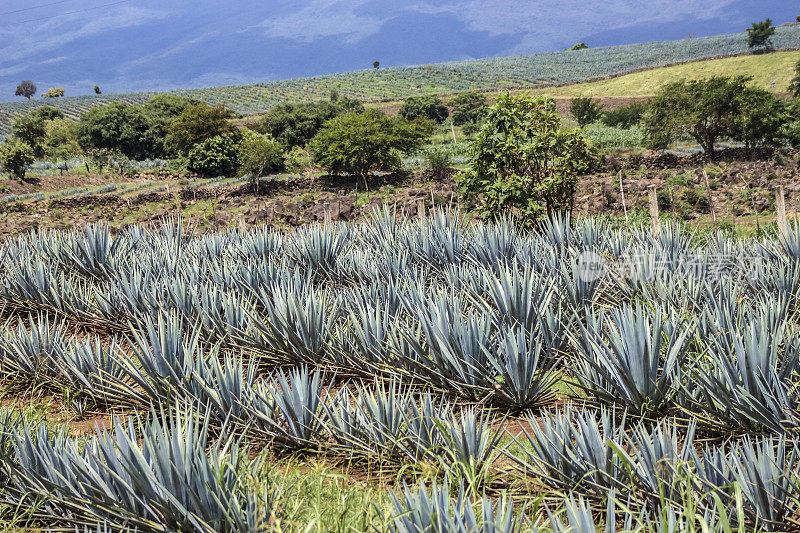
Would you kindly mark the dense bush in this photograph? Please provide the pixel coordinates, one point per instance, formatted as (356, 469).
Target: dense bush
(120, 127)
(359, 143)
(54, 92)
(430, 107)
(217, 156)
(32, 128)
(196, 124)
(259, 154)
(468, 107)
(585, 111)
(626, 116)
(523, 164)
(296, 124)
(15, 156)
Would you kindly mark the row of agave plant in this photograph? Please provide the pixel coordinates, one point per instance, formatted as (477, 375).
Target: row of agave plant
(409, 343)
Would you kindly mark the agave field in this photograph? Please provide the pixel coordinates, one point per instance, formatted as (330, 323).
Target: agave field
(576, 378)
(401, 82)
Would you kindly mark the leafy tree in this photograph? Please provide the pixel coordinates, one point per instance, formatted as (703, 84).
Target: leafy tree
(760, 117)
(359, 143)
(196, 124)
(791, 127)
(259, 154)
(577, 46)
(376, 64)
(97, 90)
(26, 89)
(794, 86)
(217, 156)
(296, 124)
(32, 128)
(61, 139)
(430, 107)
(760, 35)
(585, 111)
(54, 92)
(523, 164)
(15, 156)
(468, 107)
(120, 127)
(703, 109)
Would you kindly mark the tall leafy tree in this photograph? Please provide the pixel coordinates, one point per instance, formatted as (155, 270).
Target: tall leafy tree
(585, 111)
(523, 164)
(468, 107)
(31, 129)
(122, 128)
(26, 88)
(703, 109)
(430, 107)
(794, 86)
(198, 123)
(296, 124)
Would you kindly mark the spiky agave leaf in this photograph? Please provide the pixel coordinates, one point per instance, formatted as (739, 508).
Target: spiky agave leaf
(34, 351)
(573, 451)
(421, 509)
(631, 358)
(297, 397)
(98, 371)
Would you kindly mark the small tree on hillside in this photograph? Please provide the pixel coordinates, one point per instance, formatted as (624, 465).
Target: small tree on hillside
(15, 156)
(760, 35)
(577, 46)
(54, 92)
(97, 90)
(468, 107)
(585, 111)
(376, 64)
(26, 89)
(360, 143)
(523, 164)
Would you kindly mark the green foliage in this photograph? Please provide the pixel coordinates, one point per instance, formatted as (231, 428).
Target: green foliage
(585, 111)
(359, 143)
(577, 46)
(26, 88)
(794, 87)
(709, 109)
(468, 107)
(54, 92)
(604, 136)
(626, 116)
(32, 128)
(61, 139)
(259, 154)
(127, 129)
(523, 164)
(296, 124)
(15, 156)
(376, 64)
(760, 35)
(430, 107)
(299, 159)
(217, 156)
(791, 127)
(196, 124)
(438, 160)
(97, 90)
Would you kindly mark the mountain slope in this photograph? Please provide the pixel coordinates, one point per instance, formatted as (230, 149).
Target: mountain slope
(399, 82)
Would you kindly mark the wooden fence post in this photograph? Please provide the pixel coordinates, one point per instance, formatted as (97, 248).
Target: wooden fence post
(780, 205)
(654, 221)
(421, 208)
(622, 192)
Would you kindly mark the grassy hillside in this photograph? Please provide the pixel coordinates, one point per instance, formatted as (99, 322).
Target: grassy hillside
(399, 82)
(766, 69)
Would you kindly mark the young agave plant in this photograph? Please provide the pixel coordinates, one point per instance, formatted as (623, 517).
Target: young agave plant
(472, 443)
(94, 253)
(420, 509)
(317, 248)
(580, 518)
(150, 477)
(33, 353)
(633, 358)
(765, 472)
(299, 414)
(573, 451)
(525, 369)
(372, 423)
(98, 371)
(519, 298)
(426, 436)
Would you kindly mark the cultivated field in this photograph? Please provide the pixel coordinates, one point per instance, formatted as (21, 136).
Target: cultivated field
(576, 376)
(400, 82)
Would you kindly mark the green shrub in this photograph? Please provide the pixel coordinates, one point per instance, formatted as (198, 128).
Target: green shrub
(626, 116)
(468, 108)
(218, 156)
(15, 156)
(299, 159)
(585, 111)
(196, 124)
(296, 124)
(430, 107)
(259, 154)
(438, 160)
